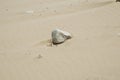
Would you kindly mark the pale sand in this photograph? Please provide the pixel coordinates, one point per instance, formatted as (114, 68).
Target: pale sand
(92, 54)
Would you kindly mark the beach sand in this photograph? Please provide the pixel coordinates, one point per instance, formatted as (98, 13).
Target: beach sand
(92, 54)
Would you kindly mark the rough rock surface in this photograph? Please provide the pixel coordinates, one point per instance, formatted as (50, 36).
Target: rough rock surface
(59, 36)
(117, 0)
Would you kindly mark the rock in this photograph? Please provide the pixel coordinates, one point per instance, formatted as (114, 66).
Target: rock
(59, 36)
(117, 0)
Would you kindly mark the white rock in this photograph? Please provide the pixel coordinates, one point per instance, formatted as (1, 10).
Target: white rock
(59, 36)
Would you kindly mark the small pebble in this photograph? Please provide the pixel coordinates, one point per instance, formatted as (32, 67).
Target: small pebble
(39, 56)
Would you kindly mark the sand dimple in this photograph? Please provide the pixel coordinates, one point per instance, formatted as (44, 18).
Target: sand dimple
(47, 43)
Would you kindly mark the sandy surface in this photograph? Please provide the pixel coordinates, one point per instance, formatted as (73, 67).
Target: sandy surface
(92, 54)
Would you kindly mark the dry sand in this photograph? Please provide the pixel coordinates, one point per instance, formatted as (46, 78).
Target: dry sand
(92, 54)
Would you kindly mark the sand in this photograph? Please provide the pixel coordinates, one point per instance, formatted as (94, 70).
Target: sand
(92, 54)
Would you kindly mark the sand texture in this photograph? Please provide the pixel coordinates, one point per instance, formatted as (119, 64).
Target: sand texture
(26, 53)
